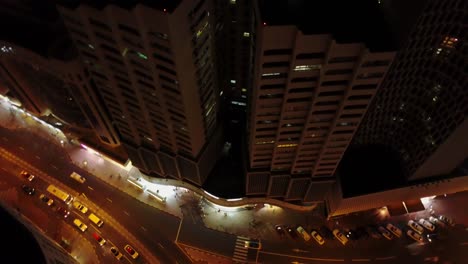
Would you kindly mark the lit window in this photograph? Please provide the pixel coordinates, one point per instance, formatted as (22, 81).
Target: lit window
(221, 93)
(246, 34)
(264, 142)
(238, 103)
(200, 32)
(244, 90)
(124, 52)
(91, 46)
(141, 55)
(449, 42)
(233, 81)
(233, 2)
(435, 98)
(6, 49)
(271, 74)
(286, 145)
(149, 139)
(307, 67)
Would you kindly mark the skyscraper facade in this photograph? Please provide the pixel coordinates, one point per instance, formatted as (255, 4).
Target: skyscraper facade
(149, 74)
(309, 95)
(420, 110)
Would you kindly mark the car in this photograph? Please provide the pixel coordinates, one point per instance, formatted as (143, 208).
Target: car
(279, 230)
(28, 189)
(28, 176)
(342, 238)
(64, 212)
(351, 234)
(80, 225)
(428, 225)
(395, 230)
(361, 232)
(80, 207)
(432, 237)
(291, 232)
(255, 244)
(46, 199)
(316, 235)
(116, 253)
(326, 232)
(436, 221)
(77, 177)
(385, 233)
(415, 236)
(419, 229)
(446, 220)
(99, 239)
(303, 233)
(131, 251)
(371, 230)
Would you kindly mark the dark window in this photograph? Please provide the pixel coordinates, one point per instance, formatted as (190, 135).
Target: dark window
(339, 71)
(360, 97)
(278, 76)
(354, 107)
(276, 64)
(110, 49)
(161, 47)
(301, 90)
(375, 63)
(271, 96)
(323, 103)
(332, 83)
(158, 35)
(129, 30)
(364, 87)
(315, 55)
(272, 86)
(342, 132)
(331, 93)
(324, 112)
(99, 24)
(277, 52)
(104, 37)
(351, 116)
(298, 100)
(342, 59)
(159, 57)
(370, 75)
(304, 79)
(165, 69)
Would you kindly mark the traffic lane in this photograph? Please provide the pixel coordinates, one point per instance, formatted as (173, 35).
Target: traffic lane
(153, 226)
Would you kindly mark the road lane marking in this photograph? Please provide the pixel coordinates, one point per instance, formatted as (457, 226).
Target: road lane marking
(125, 212)
(178, 230)
(299, 257)
(464, 244)
(37, 157)
(21, 148)
(159, 244)
(4, 169)
(360, 259)
(144, 229)
(55, 167)
(91, 188)
(5, 139)
(109, 200)
(385, 258)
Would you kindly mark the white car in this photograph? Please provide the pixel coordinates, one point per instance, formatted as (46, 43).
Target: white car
(417, 237)
(395, 230)
(342, 238)
(318, 237)
(385, 233)
(80, 207)
(428, 225)
(419, 229)
(77, 177)
(303, 233)
(80, 225)
(436, 221)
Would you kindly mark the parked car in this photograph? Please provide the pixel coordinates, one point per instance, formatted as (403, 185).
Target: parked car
(385, 233)
(428, 225)
(255, 244)
(326, 232)
(446, 220)
(28, 189)
(28, 176)
(291, 232)
(342, 238)
(63, 212)
(131, 251)
(280, 230)
(316, 235)
(351, 234)
(361, 232)
(436, 221)
(303, 233)
(371, 230)
(77, 222)
(415, 236)
(395, 230)
(46, 199)
(419, 229)
(116, 253)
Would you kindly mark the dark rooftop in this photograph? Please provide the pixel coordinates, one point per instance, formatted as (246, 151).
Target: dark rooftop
(347, 21)
(168, 5)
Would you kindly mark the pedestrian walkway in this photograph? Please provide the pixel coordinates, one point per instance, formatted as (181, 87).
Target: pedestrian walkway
(240, 251)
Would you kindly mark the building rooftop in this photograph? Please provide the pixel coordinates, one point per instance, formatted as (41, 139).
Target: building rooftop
(348, 21)
(168, 5)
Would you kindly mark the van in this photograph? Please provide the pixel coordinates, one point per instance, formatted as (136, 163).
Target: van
(96, 220)
(303, 233)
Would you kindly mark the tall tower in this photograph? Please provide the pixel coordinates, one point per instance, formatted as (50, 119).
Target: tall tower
(150, 73)
(310, 93)
(420, 111)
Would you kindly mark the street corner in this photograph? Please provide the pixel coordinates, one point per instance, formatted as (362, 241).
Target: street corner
(199, 256)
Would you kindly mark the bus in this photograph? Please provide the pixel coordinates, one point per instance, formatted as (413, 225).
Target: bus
(63, 196)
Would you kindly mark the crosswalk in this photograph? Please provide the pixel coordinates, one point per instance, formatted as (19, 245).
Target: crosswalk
(240, 251)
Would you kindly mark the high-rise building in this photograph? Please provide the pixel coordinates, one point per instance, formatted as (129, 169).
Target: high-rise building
(420, 111)
(310, 93)
(149, 76)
